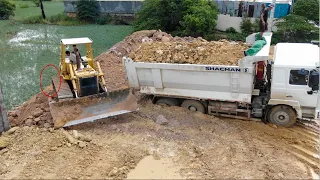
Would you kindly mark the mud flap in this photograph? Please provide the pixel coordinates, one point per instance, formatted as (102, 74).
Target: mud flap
(74, 111)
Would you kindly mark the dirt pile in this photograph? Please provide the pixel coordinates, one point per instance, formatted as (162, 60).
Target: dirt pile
(111, 61)
(35, 111)
(198, 51)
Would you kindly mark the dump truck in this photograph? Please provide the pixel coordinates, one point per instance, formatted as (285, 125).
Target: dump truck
(81, 95)
(279, 90)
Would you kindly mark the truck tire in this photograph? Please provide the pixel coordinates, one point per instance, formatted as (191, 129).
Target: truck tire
(194, 106)
(168, 101)
(282, 115)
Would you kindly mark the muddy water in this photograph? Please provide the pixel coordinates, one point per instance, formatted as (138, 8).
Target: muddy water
(150, 168)
(26, 49)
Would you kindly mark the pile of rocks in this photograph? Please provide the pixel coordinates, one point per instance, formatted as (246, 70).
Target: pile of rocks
(197, 51)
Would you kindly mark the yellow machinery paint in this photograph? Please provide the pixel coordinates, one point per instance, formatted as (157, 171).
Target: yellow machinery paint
(83, 95)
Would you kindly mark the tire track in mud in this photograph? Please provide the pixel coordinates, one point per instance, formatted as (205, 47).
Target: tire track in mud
(299, 141)
(310, 153)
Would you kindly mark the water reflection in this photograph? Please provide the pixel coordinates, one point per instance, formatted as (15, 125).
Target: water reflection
(29, 51)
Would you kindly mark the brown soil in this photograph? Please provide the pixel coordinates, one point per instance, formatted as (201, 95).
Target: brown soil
(195, 52)
(196, 145)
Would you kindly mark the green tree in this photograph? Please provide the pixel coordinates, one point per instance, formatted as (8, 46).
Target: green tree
(200, 19)
(6, 9)
(295, 28)
(308, 9)
(87, 10)
(177, 16)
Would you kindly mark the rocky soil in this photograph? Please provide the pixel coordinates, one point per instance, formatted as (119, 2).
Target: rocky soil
(188, 145)
(198, 51)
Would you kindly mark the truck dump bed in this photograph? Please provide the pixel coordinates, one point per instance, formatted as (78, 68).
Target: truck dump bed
(194, 81)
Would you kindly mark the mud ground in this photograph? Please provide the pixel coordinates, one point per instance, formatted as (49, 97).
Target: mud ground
(186, 145)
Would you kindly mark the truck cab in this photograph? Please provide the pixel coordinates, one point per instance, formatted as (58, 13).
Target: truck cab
(295, 80)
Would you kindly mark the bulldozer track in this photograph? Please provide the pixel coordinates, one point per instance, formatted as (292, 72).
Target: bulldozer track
(309, 154)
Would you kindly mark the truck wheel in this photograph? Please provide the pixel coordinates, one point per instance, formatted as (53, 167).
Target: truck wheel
(282, 115)
(193, 106)
(168, 101)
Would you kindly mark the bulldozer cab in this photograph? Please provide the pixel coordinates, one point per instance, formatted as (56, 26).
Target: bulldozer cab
(69, 45)
(82, 95)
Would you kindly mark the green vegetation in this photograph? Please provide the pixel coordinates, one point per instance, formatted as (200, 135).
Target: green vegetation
(59, 19)
(6, 9)
(308, 9)
(296, 26)
(104, 19)
(23, 5)
(36, 2)
(247, 27)
(188, 17)
(231, 30)
(87, 10)
(51, 8)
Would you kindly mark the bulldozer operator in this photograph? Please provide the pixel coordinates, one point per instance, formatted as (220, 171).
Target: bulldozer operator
(74, 58)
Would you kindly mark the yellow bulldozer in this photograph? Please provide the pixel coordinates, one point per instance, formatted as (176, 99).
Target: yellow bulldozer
(81, 95)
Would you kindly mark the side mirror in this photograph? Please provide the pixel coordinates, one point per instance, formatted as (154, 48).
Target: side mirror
(314, 80)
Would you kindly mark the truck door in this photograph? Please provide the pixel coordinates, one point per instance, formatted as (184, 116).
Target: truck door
(297, 88)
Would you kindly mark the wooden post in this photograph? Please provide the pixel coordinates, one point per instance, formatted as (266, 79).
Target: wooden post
(4, 123)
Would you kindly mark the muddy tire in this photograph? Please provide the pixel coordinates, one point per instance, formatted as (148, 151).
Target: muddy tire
(283, 116)
(167, 101)
(194, 106)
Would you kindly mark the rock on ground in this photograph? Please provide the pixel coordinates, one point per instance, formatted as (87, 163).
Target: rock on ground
(4, 142)
(161, 120)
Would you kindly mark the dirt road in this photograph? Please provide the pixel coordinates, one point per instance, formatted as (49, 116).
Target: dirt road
(183, 145)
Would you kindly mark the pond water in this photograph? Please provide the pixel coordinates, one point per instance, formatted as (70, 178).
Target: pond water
(26, 49)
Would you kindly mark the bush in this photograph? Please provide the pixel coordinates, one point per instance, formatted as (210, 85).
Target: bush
(34, 20)
(231, 30)
(236, 37)
(6, 9)
(104, 19)
(256, 25)
(187, 17)
(246, 26)
(118, 20)
(23, 5)
(87, 10)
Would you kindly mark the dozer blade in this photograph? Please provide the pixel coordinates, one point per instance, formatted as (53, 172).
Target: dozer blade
(74, 111)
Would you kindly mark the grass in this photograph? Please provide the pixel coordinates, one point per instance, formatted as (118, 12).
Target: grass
(50, 7)
(59, 19)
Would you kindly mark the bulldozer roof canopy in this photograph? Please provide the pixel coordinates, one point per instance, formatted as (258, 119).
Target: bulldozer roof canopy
(75, 41)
